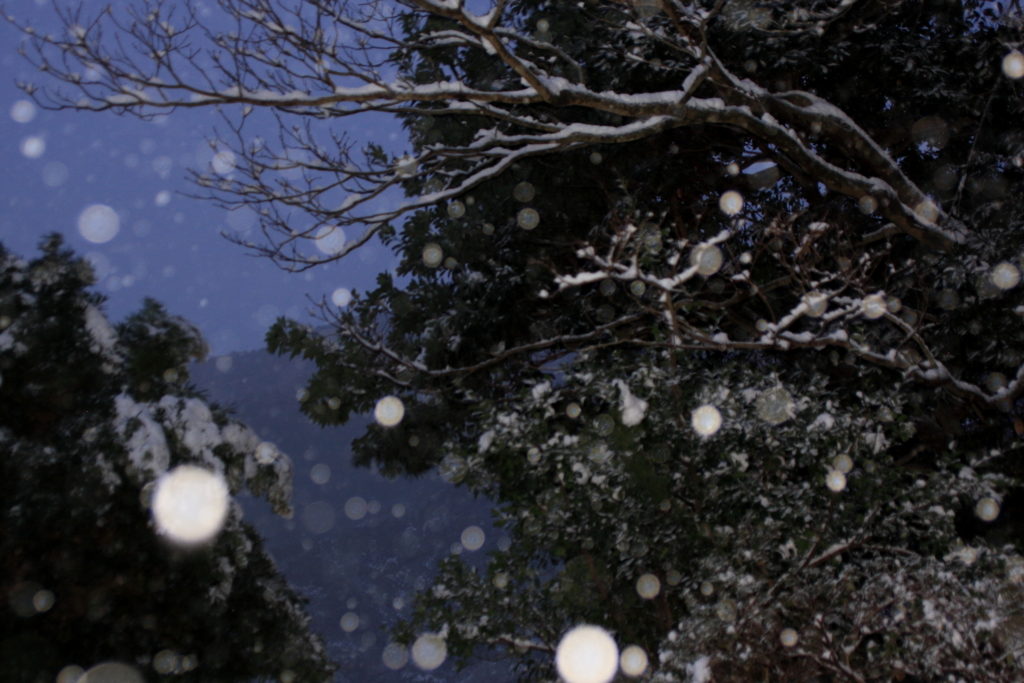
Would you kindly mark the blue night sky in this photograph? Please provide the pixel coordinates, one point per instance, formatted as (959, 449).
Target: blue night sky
(168, 246)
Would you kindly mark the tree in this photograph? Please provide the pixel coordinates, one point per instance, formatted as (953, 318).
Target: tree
(91, 417)
(804, 215)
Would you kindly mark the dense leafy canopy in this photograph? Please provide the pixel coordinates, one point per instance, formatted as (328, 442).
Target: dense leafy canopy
(805, 214)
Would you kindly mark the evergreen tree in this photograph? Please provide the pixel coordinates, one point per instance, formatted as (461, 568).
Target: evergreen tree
(92, 416)
(719, 294)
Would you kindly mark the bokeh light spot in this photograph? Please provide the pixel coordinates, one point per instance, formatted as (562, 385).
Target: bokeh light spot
(23, 111)
(320, 474)
(473, 538)
(190, 504)
(528, 218)
(775, 406)
(98, 223)
(707, 258)
(706, 420)
(524, 192)
(349, 622)
(395, 656)
(1013, 65)
(873, 306)
(587, 654)
(33, 147)
(355, 508)
(633, 661)
(429, 651)
(835, 481)
(330, 239)
(432, 255)
(1005, 276)
(987, 509)
(788, 637)
(341, 297)
(389, 411)
(731, 203)
(648, 586)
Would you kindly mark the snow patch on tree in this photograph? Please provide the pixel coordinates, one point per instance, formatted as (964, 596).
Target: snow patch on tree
(633, 409)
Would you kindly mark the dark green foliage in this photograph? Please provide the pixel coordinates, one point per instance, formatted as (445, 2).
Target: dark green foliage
(75, 489)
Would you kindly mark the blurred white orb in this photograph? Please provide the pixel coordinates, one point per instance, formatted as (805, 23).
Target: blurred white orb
(927, 212)
(776, 405)
(587, 654)
(648, 586)
(867, 204)
(341, 297)
(473, 538)
(349, 622)
(1013, 65)
(528, 218)
(873, 306)
(43, 600)
(320, 474)
(429, 651)
(707, 258)
(817, 304)
(389, 411)
(633, 661)
(706, 420)
(456, 209)
(789, 637)
(23, 111)
(33, 147)
(1005, 276)
(223, 162)
(395, 656)
(524, 191)
(355, 508)
(163, 198)
(330, 239)
(166, 662)
(835, 481)
(843, 463)
(433, 254)
(190, 504)
(98, 223)
(731, 203)
(987, 509)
